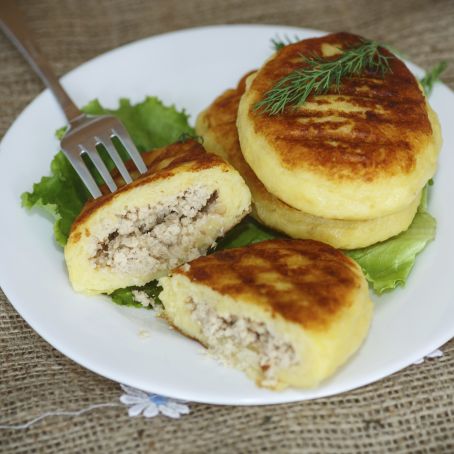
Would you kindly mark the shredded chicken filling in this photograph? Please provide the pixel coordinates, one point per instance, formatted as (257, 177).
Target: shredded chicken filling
(162, 235)
(243, 341)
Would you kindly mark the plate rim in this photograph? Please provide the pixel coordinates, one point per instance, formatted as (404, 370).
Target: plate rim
(10, 292)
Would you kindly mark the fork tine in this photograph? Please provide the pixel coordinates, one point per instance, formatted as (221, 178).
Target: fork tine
(120, 132)
(100, 166)
(79, 166)
(113, 153)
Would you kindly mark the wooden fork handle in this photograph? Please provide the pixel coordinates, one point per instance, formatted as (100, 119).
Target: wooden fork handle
(13, 24)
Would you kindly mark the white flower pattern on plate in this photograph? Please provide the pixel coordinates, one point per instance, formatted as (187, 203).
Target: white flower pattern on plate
(150, 405)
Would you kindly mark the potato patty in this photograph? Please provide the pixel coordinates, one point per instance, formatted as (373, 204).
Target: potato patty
(360, 152)
(168, 216)
(287, 312)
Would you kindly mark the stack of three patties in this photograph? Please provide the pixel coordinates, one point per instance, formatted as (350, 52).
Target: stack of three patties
(347, 167)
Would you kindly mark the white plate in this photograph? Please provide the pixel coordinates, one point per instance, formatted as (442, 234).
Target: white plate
(190, 68)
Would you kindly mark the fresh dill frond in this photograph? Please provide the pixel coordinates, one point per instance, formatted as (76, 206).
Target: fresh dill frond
(398, 53)
(432, 76)
(319, 74)
(277, 43)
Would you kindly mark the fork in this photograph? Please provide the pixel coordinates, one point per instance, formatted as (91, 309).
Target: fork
(84, 133)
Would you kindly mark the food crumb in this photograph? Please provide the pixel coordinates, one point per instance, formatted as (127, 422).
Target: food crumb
(186, 267)
(141, 297)
(144, 333)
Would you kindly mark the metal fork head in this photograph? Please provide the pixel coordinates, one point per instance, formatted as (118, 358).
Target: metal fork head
(85, 136)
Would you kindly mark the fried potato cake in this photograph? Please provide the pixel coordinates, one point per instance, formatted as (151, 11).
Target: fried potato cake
(217, 126)
(361, 152)
(286, 312)
(168, 216)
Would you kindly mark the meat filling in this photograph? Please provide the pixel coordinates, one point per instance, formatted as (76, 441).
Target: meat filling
(243, 341)
(162, 235)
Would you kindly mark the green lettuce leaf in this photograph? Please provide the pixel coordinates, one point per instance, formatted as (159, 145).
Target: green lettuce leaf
(62, 195)
(125, 296)
(150, 123)
(248, 231)
(388, 264)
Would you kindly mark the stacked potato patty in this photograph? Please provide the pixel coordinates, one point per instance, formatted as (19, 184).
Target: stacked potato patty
(347, 167)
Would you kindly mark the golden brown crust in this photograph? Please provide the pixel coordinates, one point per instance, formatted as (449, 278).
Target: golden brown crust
(220, 119)
(384, 128)
(304, 281)
(162, 164)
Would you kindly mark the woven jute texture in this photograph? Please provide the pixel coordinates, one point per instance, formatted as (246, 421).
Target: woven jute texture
(411, 411)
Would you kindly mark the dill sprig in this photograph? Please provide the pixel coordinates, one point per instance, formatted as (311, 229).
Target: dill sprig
(432, 76)
(278, 43)
(319, 74)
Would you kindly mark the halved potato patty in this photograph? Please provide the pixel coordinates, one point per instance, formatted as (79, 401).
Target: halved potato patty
(167, 217)
(286, 312)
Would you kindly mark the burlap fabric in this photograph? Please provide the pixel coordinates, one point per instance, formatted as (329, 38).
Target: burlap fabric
(412, 411)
